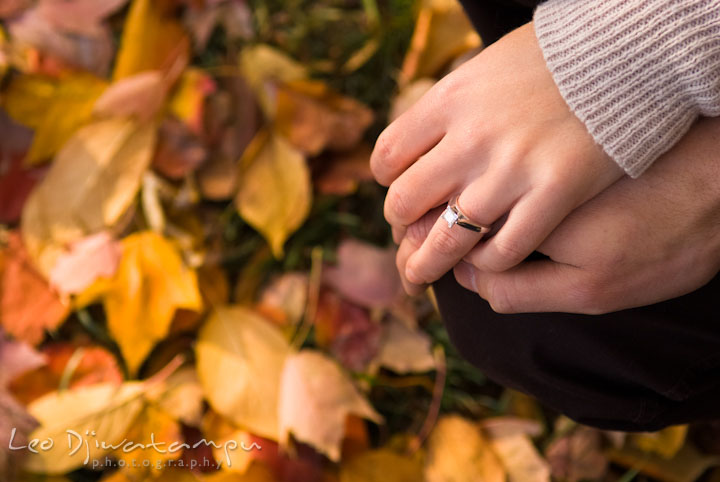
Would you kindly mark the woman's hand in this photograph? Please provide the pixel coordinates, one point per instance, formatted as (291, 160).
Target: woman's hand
(497, 133)
(639, 242)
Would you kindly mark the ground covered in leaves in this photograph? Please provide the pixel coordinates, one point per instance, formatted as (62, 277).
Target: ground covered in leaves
(196, 282)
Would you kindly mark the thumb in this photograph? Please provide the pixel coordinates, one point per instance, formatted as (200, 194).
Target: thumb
(532, 286)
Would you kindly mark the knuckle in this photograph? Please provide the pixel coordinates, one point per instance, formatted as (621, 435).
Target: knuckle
(446, 87)
(397, 208)
(498, 297)
(444, 243)
(381, 158)
(417, 232)
(507, 254)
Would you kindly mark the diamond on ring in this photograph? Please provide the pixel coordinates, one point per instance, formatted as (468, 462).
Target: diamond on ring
(450, 216)
(453, 215)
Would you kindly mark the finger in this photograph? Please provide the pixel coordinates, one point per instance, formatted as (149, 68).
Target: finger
(484, 201)
(534, 286)
(398, 233)
(529, 222)
(426, 184)
(410, 136)
(414, 236)
(403, 253)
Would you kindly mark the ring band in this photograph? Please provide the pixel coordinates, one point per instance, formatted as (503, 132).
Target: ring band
(453, 215)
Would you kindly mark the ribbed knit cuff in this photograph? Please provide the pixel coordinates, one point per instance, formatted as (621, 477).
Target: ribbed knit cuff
(636, 73)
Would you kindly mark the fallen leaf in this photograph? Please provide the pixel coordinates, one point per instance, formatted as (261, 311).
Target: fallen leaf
(508, 426)
(17, 358)
(264, 67)
(151, 425)
(381, 465)
(15, 426)
(55, 109)
(76, 366)
(82, 17)
(666, 442)
(28, 305)
(153, 39)
(344, 171)
(150, 284)
(315, 399)
(520, 458)
(88, 259)
(107, 410)
(686, 466)
(237, 344)
(179, 152)
(275, 192)
(182, 397)
(404, 350)
(16, 180)
(458, 452)
(365, 274)
(188, 101)
(91, 184)
(578, 455)
(57, 50)
(442, 32)
(284, 299)
(314, 118)
(346, 330)
(141, 95)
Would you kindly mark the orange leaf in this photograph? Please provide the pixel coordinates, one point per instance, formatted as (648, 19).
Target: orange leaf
(28, 306)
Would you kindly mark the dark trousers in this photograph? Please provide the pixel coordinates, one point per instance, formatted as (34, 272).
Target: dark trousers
(635, 370)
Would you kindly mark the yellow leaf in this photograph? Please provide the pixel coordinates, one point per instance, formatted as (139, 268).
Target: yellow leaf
(381, 465)
(91, 184)
(261, 64)
(151, 425)
(666, 442)
(275, 191)
(55, 109)
(442, 33)
(315, 399)
(458, 452)
(240, 356)
(153, 39)
(105, 410)
(256, 473)
(150, 284)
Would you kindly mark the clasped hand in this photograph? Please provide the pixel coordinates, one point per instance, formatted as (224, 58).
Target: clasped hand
(497, 133)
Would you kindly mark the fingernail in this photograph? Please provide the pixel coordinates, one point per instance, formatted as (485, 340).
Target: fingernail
(467, 272)
(412, 277)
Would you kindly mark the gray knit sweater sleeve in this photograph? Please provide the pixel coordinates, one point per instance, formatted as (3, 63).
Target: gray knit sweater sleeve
(636, 72)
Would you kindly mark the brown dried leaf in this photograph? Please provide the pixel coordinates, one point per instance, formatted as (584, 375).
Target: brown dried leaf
(314, 118)
(577, 455)
(404, 350)
(315, 399)
(365, 274)
(140, 95)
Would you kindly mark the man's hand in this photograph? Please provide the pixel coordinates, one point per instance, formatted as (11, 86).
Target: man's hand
(496, 132)
(639, 242)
